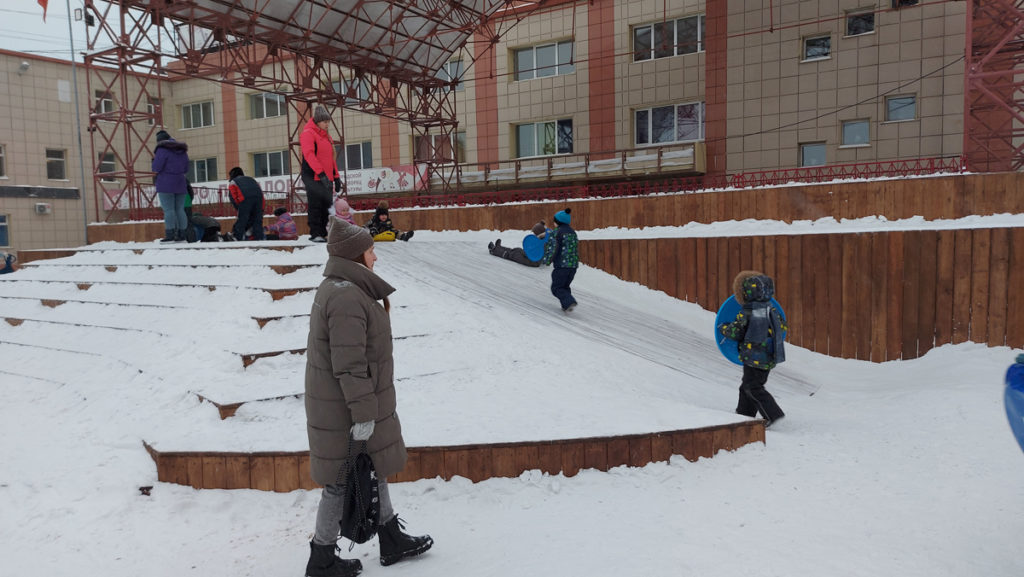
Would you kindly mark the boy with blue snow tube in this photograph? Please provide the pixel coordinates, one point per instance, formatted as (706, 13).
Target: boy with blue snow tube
(759, 330)
(561, 250)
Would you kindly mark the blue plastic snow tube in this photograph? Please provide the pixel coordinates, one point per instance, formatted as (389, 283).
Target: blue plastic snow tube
(1013, 397)
(727, 314)
(533, 246)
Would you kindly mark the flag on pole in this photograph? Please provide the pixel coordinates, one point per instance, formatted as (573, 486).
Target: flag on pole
(43, 4)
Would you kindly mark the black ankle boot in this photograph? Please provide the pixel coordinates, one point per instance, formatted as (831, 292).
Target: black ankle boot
(169, 235)
(396, 545)
(324, 563)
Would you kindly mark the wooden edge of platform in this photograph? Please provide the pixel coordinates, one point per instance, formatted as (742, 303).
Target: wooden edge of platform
(287, 471)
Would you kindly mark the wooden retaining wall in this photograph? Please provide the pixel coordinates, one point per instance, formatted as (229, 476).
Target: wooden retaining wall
(938, 197)
(283, 472)
(870, 296)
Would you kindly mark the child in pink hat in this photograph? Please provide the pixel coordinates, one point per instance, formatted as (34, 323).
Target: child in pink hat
(343, 211)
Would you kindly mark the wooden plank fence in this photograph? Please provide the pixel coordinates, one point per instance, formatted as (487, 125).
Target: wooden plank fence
(871, 296)
(283, 472)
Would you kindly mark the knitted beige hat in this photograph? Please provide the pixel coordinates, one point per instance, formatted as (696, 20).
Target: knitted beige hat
(347, 240)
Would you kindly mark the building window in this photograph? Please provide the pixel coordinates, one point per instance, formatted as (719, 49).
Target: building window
(452, 70)
(3, 161)
(353, 89)
(900, 108)
(817, 48)
(544, 60)
(855, 133)
(104, 102)
(437, 148)
(354, 156)
(151, 108)
(862, 23)
(5, 230)
(897, 4)
(108, 164)
(267, 105)
(812, 154)
(270, 163)
(667, 124)
(544, 138)
(670, 38)
(197, 115)
(202, 170)
(55, 169)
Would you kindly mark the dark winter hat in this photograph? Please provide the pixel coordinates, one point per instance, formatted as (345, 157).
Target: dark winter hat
(563, 216)
(540, 228)
(235, 173)
(347, 240)
(320, 114)
(162, 136)
(280, 210)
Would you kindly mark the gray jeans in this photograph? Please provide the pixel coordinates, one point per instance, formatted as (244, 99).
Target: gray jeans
(332, 509)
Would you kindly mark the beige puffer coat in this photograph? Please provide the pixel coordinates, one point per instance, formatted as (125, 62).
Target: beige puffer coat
(350, 372)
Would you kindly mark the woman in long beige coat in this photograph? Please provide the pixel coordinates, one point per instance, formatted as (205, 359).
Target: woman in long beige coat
(350, 395)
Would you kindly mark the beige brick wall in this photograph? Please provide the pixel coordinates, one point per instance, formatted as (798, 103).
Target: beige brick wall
(777, 100)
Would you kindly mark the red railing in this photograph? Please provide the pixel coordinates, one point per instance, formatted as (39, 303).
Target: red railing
(214, 202)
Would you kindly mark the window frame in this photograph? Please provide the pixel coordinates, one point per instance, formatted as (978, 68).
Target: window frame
(63, 160)
(102, 99)
(457, 145)
(701, 123)
(341, 87)
(888, 109)
(842, 133)
(5, 230)
(854, 14)
(807, 39)
(193, 169)
(107, 158)
(285, 169)
(824, 153)
(520, 75)
(151, 105)
(651, 52)
(445, 73)
(262, 98)
(539, 129)
(341, 153)
(191, 107)
(3, 161)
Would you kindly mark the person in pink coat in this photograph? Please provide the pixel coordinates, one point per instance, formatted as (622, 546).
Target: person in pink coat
(343, 211)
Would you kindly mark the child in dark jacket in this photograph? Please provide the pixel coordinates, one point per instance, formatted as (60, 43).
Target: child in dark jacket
(381, 223)
(561, 250)
(284, 228)
(517, 254)
(760, 333)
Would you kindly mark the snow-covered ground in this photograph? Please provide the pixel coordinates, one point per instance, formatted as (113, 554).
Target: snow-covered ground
(903, 468)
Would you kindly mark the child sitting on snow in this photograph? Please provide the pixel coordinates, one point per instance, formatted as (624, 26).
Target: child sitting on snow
(381, 227)
(284, 228)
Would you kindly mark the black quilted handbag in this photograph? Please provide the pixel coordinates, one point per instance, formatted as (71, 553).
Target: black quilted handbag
(361, 518)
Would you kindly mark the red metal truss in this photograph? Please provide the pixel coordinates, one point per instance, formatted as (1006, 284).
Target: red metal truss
(994, 86)
(388, 53)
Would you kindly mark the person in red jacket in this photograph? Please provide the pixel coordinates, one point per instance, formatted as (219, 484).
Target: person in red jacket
(319, 169)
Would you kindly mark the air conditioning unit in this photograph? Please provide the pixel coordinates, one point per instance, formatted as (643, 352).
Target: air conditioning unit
(44, 208)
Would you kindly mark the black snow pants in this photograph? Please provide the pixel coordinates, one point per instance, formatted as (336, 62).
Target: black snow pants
(754, 398)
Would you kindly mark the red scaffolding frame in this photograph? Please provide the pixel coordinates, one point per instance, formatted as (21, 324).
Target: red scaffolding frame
(297, 48)
(994, 80)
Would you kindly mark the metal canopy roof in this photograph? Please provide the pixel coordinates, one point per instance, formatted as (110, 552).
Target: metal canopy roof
(407, 41)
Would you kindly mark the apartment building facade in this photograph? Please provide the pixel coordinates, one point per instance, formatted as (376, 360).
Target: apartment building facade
(746, 85)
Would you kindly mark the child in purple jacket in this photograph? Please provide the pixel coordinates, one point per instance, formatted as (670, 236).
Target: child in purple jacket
(284, 228)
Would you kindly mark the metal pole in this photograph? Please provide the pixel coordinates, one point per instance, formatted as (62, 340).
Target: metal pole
(78, 126)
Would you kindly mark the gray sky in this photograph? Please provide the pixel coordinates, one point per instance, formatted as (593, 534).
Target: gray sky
(22, 28)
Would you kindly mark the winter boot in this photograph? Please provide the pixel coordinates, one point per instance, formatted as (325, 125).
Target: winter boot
(180, 236)
(324, 563)
(169, 235)
(406, 235)
(396, 545)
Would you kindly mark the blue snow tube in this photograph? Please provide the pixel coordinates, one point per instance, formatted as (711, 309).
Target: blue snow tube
(1013, 397)
(533, 246)
(727, 314)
